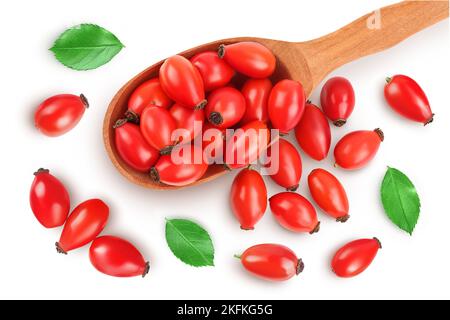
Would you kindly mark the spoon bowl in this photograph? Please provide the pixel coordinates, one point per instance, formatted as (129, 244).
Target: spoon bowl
(307, 62)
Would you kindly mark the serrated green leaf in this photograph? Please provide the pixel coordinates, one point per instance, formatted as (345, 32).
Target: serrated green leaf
(189, 242)
(400, 200)
(86, 47)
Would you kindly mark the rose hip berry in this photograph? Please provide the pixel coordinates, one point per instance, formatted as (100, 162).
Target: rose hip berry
(84, 224)
(225, 108)
(313, 133)
(182, 82)
(213, 143)
(408, 99)
(148, 93)
(183, 167)
(117, 257)
(252, 59)
(355, 257)
(329, 194)
(286, 105)
(49, 199)
(215, 72)
(294, 212)
(59, 114)
(337, 99)
(190, 120)
(248, 198)
(247, 145)
(287, 164)
(132, 146)
(271, 262)
(356, 149)
(256, 93)
(157, 126)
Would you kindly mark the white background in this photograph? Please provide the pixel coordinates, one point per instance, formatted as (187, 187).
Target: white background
(406, 267)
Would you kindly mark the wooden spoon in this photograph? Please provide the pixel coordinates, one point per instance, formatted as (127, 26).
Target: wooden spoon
(308, 62)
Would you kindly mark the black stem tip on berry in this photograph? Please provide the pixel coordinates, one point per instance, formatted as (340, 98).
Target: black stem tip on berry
(380, 133)
(84, 100)
(146, 269)
(339, 122)
(308, 101)
(132, 116)
(293, 188)
(201, 105)
(215, 118)
(154, 175)
(119, 123)
(300, 266)
(221, 51)
(166, 150)
(316, 229)
(430, 120)
(59, 249)
(343, 219)
(388, 79)
(379, 242)
(41, 170)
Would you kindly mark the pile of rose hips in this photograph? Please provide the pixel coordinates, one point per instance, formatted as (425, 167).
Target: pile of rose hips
(163, 115)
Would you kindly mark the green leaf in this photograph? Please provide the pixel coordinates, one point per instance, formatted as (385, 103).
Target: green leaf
(400, 200)
(86, 47)
(189, 242)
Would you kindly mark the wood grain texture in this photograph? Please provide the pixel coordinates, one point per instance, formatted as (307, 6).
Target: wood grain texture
(308, 62)
(396, 23)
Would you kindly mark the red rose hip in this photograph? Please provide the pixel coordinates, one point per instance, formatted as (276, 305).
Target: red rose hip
(49, 199)
(213, 143)
(190, 120)
(182, 82)
(252, 59)
(117, 257)
(246, 145)
(337, 99)
(84, 224)
(294, 212)
(157, 126)
(256, 93)
(184, 166)
(355, 257)
(272, 262)
(356, 149)
(329, 194)
(286, 105)
(148, 93)
(408, 99)
(132, 146)
(286, 164)
(248, 198)
(60, 114)
(215, 72)
(313, 133)
(225, 108)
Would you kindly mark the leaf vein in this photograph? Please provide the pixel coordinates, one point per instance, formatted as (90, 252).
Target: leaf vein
(397, 194)
(88, 47)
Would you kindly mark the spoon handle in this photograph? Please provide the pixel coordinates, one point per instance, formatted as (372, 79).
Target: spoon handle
(371, 33)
